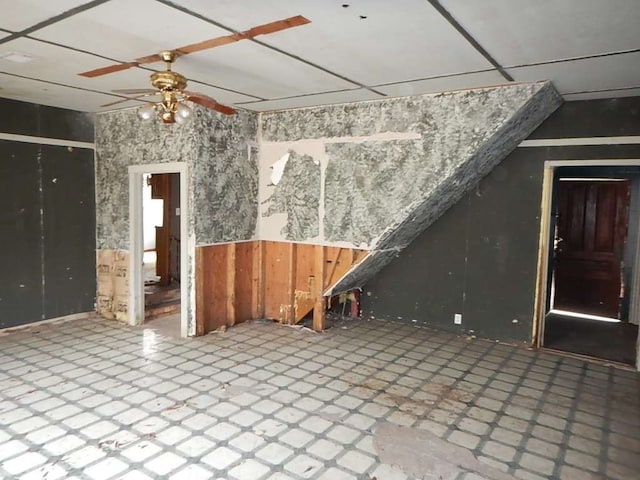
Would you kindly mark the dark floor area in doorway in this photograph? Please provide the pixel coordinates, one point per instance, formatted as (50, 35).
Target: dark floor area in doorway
(161, 300)
(615, 341)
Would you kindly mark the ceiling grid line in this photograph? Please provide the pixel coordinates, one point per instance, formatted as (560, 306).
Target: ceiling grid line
(55, 19)
(150, 70)
(453, 75)
(270, 47)
(573, 59)
(469, 38)
(350, 52)
(51, 82)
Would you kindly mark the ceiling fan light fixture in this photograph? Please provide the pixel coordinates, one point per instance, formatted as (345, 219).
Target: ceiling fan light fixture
(182, 113)
(168, 117)
(147, 112)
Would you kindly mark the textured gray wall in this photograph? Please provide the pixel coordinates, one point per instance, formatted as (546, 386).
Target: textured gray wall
(366, 186)
(222, 173)
(123, 140)
(225, 177)
(392, 167)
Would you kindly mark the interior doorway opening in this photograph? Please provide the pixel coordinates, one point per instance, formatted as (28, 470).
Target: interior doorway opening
(159, 259)
(591, 260)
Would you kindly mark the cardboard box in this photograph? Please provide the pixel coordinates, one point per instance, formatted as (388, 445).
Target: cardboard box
(121, 307)
(104, 306)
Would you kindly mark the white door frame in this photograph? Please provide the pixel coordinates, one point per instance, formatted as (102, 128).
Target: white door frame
(136, 245)
(544, 247)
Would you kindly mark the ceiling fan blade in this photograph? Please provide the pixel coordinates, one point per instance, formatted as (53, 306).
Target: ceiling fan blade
(209, 102)
(265, 29)
(110, 69)
(136, 91)
(149, 59)
(277, 26)
(122, 100)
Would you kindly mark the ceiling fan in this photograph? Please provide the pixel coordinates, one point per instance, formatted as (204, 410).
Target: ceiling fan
(170, 85)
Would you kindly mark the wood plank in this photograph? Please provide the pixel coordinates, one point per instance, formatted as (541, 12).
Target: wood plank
(217, 293)
(319, 306)
(257, 280)
(243, 288)
(231, 284)
(289, 310)
(332, 255)
(200, 308)
(276, 278)
(305, 281)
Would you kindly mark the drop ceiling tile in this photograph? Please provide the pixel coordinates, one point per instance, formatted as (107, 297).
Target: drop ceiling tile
(61, 65)
(600, 73)
(443, 84)
(330, 98)
(524, 32)
(19, 15)
(396, 40)
(628, 92)
(259, 71)
(126, 30)
(44, 93)
(222, 96)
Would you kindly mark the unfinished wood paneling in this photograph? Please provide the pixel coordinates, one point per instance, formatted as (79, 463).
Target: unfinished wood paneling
(244, 292)
(276, 280)
(320, 259)
(257, 280)
(203, 307)
(265, 279)
(211, 288)
(305, 284)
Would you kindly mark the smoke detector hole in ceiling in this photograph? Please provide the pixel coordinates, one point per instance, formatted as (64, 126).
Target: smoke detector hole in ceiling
(16, 57)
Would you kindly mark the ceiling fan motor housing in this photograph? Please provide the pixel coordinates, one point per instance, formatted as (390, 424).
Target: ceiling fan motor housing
(168, 80)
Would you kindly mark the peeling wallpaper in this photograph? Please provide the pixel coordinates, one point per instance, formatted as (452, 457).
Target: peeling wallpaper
(298, 195)
(392, 167)
(369, 175)
(222, 172)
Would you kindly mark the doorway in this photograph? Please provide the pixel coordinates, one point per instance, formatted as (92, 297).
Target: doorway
(159, 260)
(591, 259)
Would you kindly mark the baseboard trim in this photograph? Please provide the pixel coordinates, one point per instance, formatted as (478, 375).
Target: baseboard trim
(63, 319)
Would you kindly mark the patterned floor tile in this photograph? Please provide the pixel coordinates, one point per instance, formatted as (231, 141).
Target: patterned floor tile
(96, 399)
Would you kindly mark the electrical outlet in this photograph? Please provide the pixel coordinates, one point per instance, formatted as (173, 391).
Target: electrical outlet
(457, 319)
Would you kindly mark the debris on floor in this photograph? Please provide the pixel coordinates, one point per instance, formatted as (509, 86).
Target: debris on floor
(421, 454)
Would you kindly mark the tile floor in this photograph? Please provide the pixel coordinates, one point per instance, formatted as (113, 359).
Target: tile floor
(98, 400)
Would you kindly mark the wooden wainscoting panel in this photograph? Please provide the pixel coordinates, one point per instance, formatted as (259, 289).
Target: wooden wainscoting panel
(204, 301)
(305, 284)
(320, 302)
(257, 280)
(244, 284)
(277, 277)
(281, 281)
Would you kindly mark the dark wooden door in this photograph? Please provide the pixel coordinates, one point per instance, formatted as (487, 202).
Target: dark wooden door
(591, 231)
(161, 189)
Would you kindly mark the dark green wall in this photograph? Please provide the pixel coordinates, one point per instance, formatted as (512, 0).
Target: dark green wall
(47, 215)
(480, 258)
